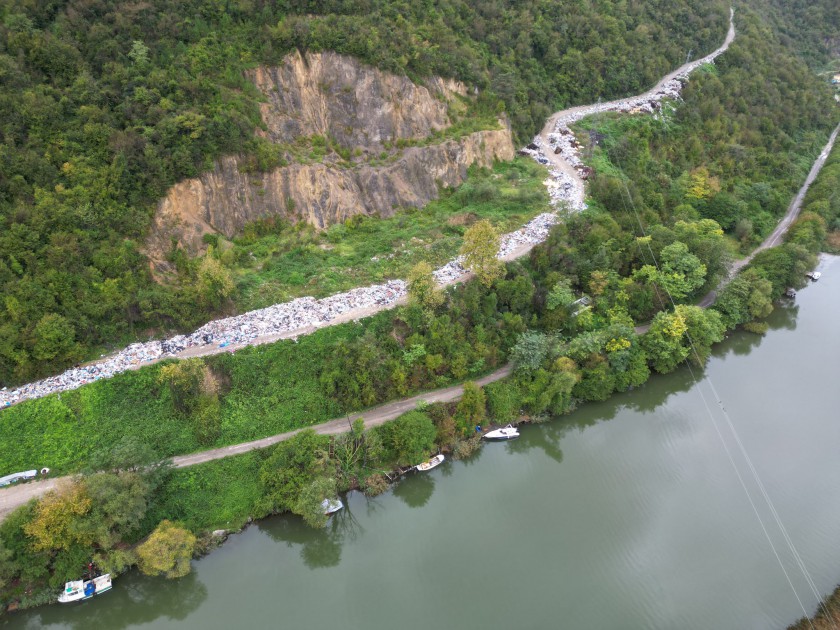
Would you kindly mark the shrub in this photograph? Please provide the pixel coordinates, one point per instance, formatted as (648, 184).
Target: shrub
(167, 551)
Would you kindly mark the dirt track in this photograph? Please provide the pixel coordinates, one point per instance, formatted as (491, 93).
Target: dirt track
(15, 496)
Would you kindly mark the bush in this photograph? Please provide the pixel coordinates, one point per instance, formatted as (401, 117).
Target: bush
(410, 438)
(504, 401)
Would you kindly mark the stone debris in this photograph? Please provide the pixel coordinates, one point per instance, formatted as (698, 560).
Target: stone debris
(299, 314)
(278, 319)
(565, 185)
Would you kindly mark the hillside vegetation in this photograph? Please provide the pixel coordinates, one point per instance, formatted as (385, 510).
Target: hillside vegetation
(565, 353)
(106, 104)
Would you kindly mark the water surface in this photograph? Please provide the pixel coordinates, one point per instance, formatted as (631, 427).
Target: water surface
(626, 514)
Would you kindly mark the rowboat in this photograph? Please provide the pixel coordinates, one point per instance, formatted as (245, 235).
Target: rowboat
(331, 506)
(505, 433)
(80, 590)
(430, 463)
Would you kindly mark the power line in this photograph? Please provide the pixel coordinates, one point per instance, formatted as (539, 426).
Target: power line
(800, 563)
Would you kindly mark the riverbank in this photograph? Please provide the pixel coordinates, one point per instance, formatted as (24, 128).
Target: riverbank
(629, 503)
(566, 355)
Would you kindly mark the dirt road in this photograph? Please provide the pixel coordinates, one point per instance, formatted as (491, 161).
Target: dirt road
(15, 496)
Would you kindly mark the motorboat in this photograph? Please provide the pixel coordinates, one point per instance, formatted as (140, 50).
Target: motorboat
(505, 433)
(80, 590)
(331, 506)
(437, 460)
(814, 275)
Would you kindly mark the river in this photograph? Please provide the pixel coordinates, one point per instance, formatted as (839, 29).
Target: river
(626, 514)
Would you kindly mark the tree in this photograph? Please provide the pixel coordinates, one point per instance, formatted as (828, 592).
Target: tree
(184, 379)
(422, 288)
(58, 516)
(663, 342)
(119, 504)
(213, 282)
(410, 438)
(167, 551)
(289, 468)
(309, 504)
(680, 273)
(530, 351)
(54, 339)
(481, 244)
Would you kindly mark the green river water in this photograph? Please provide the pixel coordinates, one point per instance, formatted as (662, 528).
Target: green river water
(625, 514)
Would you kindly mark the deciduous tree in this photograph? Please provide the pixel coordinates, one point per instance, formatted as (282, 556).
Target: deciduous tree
(481, 244)
(167, 551)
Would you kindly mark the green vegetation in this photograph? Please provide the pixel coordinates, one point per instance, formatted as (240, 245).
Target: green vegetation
(735, 151)
(168, 551)
(566, 349)
(481, 244)
(103, 110)
(275, 261)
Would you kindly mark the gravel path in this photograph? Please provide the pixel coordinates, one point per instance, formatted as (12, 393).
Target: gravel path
(554, 147)
(17, 495)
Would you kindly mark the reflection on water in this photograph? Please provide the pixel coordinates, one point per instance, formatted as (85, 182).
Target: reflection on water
(133, 601)
(416, 490)
(632, 524)
(319, 548)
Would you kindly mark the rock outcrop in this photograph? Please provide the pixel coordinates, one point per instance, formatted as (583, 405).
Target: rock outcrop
(359, 108)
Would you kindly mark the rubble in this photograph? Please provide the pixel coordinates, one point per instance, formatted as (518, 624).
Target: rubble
(565, 188)
(558, 148)
(245, 329)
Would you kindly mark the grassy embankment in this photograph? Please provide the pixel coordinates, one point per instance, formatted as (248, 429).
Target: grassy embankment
(275, 261)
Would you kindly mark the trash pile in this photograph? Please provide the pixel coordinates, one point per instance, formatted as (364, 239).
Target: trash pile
(564, 188)
(277, 319)
(565, 184)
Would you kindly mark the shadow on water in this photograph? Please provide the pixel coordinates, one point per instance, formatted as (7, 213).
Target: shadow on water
(548, 436)
(319, 548)
(742, 343)
(415, 490)
(138, 600)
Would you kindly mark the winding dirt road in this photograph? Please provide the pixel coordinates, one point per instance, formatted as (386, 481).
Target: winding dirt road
(15, 496)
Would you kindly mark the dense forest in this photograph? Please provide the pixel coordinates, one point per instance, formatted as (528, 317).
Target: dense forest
(742, 140)
(106, 104)
(734, 151)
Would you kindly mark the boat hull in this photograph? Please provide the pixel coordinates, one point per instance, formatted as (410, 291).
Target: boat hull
(437, 460)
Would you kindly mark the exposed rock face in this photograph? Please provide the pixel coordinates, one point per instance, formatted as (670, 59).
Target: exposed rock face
(360, 108)
(225, 199)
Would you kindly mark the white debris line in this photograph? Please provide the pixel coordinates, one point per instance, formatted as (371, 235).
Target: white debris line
(244, 329)
(557, 148)
(565, 187)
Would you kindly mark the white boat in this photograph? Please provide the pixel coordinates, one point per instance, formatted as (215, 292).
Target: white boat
(505, 433)
(79, 590)
(331, 506)
(814, 275)
(437, 460)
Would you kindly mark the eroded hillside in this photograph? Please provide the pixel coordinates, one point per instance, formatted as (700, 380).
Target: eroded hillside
(390, 147)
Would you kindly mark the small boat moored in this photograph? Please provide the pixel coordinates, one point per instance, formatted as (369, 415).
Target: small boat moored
(79, 590)
(505, 433)
(331, 506)
(430, 463)
(814, 275)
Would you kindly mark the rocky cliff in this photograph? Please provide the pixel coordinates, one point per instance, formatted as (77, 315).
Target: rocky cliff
(360, 109)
